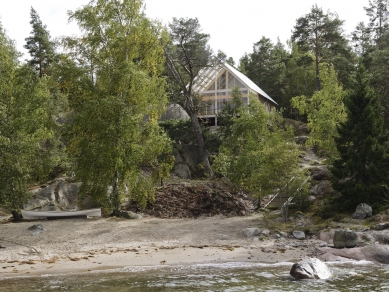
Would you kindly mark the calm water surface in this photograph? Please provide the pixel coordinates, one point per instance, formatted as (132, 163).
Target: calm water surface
(353, 276)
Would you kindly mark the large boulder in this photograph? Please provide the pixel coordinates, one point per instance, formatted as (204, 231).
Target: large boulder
(175, 112)
(319, 174)
(373, 252)
(310, 269)
(322, 188)
(59, 195)
(362, 211)
(345, 238)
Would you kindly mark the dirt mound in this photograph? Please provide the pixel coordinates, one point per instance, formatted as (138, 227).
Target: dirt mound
(192, 200)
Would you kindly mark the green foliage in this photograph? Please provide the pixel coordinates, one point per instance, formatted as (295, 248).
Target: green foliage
(360, 173)
(229, 111)
(321, 34)
(39, 45)
(117, 95)
(25, 126)
(266, 66)
(300, 78)
(180, 131)
(187, 54)
(324, 110)
(259, 156)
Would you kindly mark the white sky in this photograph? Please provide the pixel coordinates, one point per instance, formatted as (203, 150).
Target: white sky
(234, 25)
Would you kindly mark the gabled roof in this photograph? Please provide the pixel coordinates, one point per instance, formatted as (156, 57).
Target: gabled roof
(207, 75)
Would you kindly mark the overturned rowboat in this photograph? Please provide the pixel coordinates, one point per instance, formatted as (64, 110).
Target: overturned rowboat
(61, 214)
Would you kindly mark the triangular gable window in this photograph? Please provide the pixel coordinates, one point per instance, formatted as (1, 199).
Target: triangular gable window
(233, 82)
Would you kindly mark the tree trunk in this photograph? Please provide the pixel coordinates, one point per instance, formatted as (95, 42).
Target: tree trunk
(115, 193)
(200, 143)
(317, 71)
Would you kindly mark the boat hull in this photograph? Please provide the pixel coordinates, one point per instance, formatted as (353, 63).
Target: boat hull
(61, 214)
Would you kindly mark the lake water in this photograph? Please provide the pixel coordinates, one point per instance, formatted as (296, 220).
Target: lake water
(231, 277)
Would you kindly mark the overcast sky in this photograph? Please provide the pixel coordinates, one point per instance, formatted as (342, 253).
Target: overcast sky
(234, 25)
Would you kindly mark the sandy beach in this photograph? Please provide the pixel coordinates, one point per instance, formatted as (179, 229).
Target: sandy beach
(84, 245)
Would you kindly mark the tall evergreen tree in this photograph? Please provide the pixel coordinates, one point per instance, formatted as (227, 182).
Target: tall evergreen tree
(39, 45)
(361, 171)
(376, 51)
(266, 66)
(186, 55)
(378, 13)
(322, 34)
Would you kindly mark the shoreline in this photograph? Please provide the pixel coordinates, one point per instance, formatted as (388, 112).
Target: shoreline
(85, 245)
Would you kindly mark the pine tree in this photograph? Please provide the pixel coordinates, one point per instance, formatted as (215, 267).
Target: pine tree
(361, 171)
(25, 123)
(39, 45)
(322, 34)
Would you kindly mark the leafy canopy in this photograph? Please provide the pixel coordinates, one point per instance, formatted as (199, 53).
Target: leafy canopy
(259, 155)
(120, 94)
(325, 111)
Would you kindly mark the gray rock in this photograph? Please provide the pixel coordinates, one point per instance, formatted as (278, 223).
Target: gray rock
(58, 195)
(381, 237)
(345, 238)
(311, 198)
(266, 232)
(372, 252)
(382, 226)
(253, 231)
(327, 236)
(175, 112)
(310, 269)
(182, 170)
(298, 234)
(36, 229)
(284, 234)
(276, 236)
(323, 244)
(322, 188)
(362, 211)
(319, 174)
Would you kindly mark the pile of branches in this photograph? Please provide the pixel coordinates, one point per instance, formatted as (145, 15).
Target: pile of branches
(193, 200)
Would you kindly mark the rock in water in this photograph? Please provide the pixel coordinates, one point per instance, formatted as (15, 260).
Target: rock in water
(310, 269)
(36, 229)
(362, 211)
(345, 238)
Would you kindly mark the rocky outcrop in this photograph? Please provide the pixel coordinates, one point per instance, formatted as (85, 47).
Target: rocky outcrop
(322, 188)
(374, 252)
(310, 269)
(362, 211)
(382, 226)
(186, 161)
(319, 173)
(174, 112)
(58, 195)
(345, 238)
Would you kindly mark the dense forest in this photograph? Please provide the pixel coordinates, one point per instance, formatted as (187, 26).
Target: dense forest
(89, 106)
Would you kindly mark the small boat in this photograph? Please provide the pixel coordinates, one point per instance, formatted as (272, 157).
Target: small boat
(61, 214)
